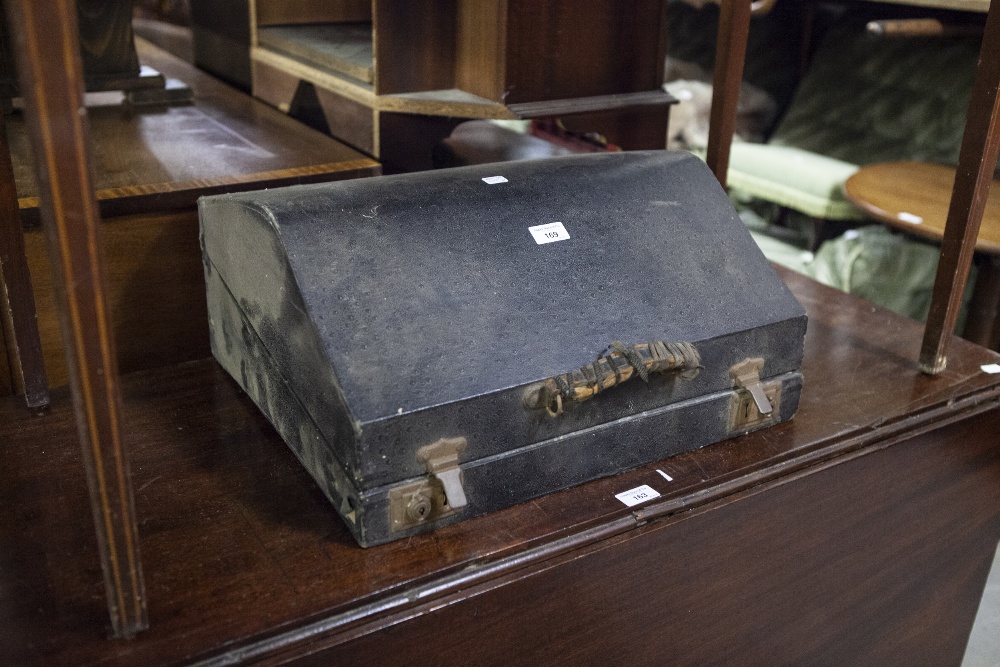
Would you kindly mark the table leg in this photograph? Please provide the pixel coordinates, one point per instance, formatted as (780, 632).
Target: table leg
(976, 161)
(983, 324)
(17, 301)
(730, 52)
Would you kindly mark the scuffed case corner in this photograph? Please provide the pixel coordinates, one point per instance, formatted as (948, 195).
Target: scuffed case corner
(236, 346)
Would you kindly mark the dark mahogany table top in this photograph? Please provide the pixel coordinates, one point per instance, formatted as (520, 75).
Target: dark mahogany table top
(242, 554)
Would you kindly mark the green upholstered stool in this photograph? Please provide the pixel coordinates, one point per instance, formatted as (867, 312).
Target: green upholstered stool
(798, 179)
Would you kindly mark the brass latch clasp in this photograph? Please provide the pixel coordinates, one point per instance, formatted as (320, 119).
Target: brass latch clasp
(441, 459)
(746, 375)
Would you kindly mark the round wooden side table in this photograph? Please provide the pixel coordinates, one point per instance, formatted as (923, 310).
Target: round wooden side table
(914, 197)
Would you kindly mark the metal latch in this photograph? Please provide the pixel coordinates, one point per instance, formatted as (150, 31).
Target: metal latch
(441, 459)
(434, 497)
(746, 375)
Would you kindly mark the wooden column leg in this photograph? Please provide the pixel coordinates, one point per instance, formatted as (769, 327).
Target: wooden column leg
(730, 52)
(976, 161)
(17, 301)
(51, 80)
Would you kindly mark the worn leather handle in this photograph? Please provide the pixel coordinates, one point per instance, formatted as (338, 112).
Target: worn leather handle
(620, 364)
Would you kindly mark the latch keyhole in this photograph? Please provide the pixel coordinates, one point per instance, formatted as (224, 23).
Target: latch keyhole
(419, 507)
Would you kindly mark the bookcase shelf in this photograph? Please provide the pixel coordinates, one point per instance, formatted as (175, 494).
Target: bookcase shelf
(460, 59)
(341, 48)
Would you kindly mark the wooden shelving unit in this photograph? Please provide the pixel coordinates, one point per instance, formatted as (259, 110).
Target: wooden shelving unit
(453, 60)
(341, 48)
(150, 166)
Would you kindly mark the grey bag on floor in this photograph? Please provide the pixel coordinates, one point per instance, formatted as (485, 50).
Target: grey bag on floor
(438, 345)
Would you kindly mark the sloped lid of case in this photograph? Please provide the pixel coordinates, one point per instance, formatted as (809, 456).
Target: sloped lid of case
(433, 287)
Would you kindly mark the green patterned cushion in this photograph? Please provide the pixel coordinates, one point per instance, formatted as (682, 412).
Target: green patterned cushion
(875, 99)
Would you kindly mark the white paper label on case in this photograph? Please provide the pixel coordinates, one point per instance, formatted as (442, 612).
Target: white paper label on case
(550, 233)
(493, 180)
(639, 494)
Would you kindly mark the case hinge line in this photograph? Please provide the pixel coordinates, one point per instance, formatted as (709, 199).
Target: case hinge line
(619, 364)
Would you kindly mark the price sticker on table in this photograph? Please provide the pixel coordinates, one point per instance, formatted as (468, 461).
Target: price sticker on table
(639, 494)
(550, 233)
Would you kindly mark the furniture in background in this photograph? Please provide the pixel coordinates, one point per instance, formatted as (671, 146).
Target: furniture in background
(977, 160)
(107, 49)
(913, 197)
(483, 141)
(151, 163)
(392, 78)
(864, 99)
(870, 99)
(51, 77)
(959, 5)
(109, 63)
(22, 369)
(221, 40)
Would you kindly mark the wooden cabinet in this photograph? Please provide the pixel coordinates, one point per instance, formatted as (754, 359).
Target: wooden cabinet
(364, 71)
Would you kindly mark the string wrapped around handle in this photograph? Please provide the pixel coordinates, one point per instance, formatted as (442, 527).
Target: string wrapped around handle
(620, 364)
